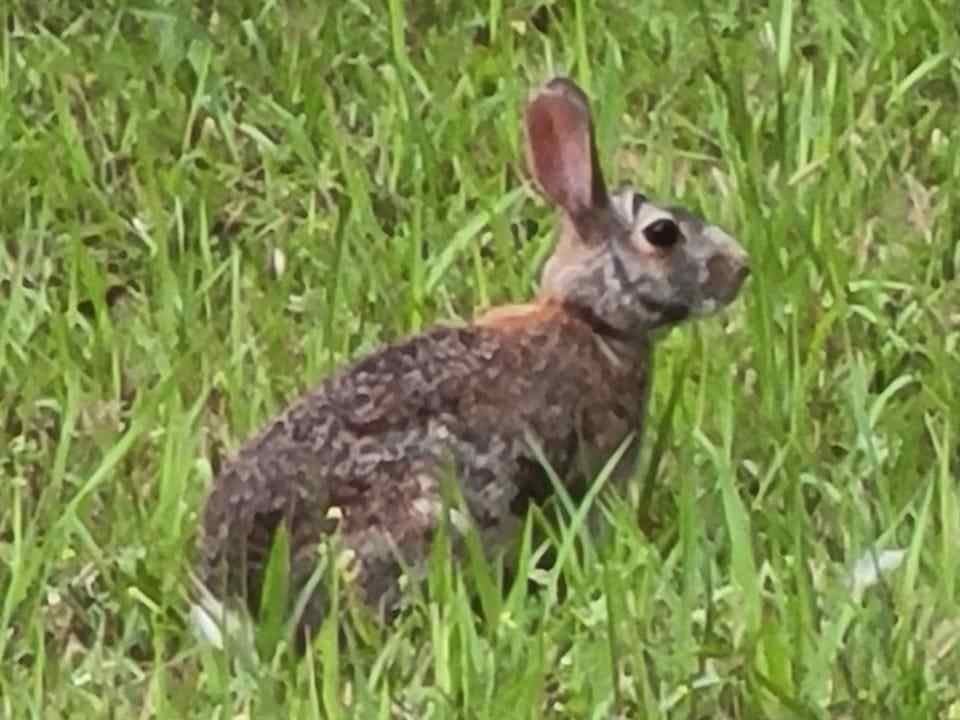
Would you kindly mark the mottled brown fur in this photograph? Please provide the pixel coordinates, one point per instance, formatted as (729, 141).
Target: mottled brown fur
(374, 441)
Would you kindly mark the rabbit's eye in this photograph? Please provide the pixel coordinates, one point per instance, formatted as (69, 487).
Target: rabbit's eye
(663, 233)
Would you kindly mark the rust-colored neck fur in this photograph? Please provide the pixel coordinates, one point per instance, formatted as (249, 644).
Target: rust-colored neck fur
(506, 316)
(522, 315)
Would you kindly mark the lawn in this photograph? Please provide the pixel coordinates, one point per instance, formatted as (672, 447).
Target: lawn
(207, 207)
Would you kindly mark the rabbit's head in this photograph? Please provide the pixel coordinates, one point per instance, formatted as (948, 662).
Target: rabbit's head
(627, 264)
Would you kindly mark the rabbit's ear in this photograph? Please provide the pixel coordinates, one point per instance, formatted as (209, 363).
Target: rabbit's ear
(561, 150)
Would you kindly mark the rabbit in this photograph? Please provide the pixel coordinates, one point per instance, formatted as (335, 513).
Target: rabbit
(565, 377)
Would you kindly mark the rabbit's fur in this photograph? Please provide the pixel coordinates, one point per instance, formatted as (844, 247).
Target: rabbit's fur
(364, 454)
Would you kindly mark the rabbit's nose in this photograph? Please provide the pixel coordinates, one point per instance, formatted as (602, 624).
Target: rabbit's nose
(743, 272)
(726, 274)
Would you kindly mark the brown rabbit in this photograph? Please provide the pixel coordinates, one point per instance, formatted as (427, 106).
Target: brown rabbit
(365, 453)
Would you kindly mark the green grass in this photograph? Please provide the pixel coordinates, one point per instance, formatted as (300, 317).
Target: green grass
(205, 211)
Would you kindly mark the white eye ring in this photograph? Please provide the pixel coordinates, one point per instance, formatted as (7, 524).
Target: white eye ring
(629, 202)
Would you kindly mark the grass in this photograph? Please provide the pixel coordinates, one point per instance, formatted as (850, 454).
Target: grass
(207, 207)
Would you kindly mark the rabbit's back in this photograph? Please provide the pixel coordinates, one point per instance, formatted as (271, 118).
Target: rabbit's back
(365, 453)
